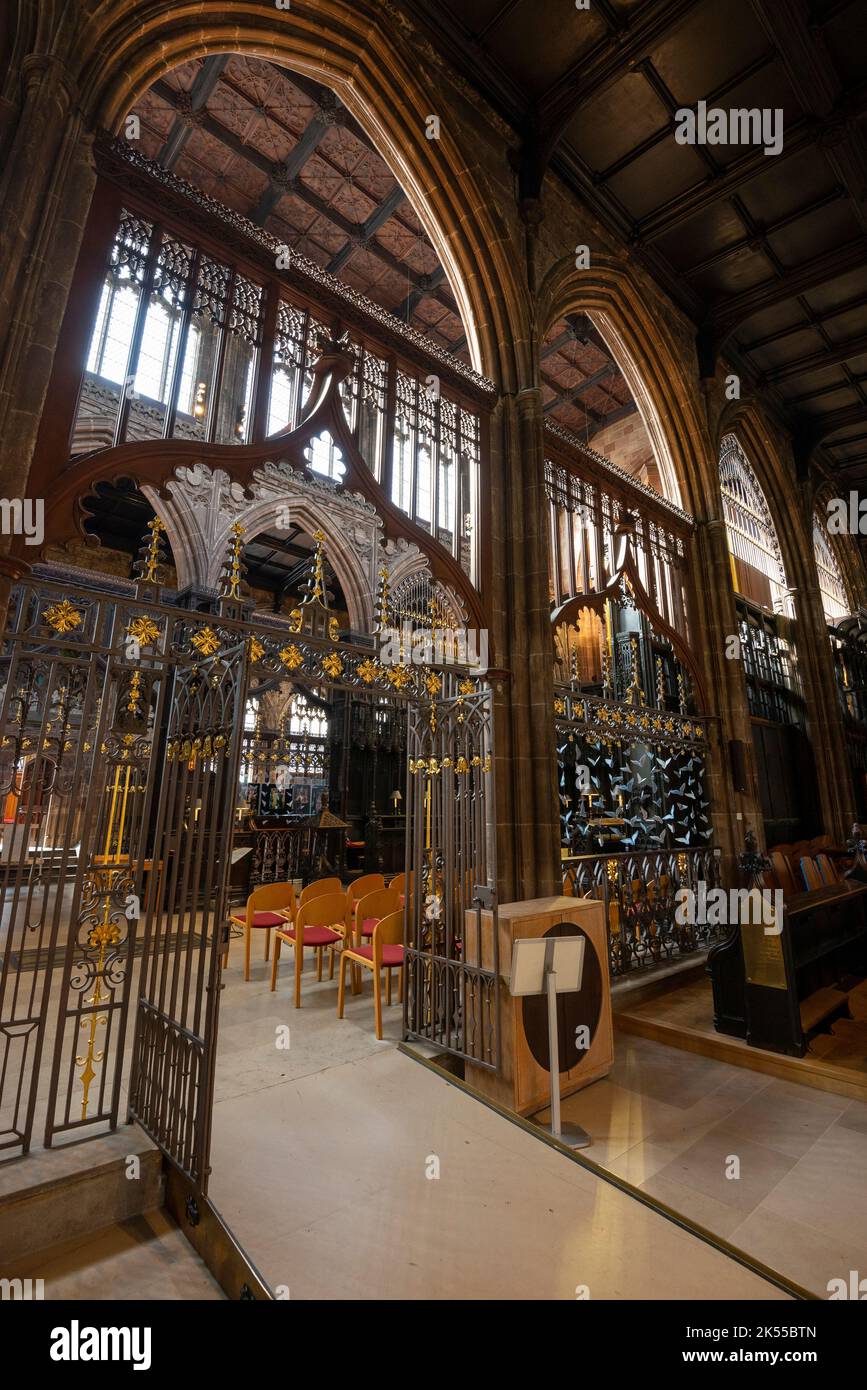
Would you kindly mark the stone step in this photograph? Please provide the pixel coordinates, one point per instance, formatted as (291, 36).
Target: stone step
(56, 1195)
(146, 1257)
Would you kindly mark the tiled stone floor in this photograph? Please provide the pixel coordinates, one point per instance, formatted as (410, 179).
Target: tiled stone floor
(670, 1122)
(321, 1156)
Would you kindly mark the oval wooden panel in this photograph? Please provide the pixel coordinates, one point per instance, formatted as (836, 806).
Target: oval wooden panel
(573, 1010)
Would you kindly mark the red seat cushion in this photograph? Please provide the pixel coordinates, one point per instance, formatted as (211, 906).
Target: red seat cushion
(268, 919)
(368, 925)
(316, 936)
(391, 955)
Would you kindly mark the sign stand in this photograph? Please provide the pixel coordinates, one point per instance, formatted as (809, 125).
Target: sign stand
(551, 966)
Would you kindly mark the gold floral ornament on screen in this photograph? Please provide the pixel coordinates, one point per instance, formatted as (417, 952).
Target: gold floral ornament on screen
(152, 560)
(369, 671)
(205, 641)
(62, 617)
(292, 657)
(144, 630)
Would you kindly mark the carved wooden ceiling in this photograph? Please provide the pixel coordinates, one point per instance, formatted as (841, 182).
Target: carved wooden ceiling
(766, 253)
(284, 151)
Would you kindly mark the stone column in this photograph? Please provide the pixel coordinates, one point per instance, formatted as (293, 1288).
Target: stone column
(732, 812)
(45, 195)
(528, 840)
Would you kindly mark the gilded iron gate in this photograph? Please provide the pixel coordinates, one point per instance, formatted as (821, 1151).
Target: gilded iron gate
(65, 941)
(171, 1086)
(452, 996)
(99, 863)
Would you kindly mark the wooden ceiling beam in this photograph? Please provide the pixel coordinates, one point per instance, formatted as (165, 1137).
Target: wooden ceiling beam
(847, 439)
(313, 135)
(728, 312)
(371, 224)
(814, 320)
(807, 396)
(758, 241)
(819, 90)
(605, 63)
(801, 135)
(197, 98)
(713, 98)
(831, 356)
(620, 414)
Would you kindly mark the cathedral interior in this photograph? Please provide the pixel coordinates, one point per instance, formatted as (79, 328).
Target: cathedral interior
(434, 527)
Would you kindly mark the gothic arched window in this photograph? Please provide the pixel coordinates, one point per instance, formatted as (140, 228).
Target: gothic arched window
(831, 586)
(757, 565)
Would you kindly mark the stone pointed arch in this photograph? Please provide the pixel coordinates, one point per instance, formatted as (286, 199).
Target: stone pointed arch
(200, 505)
(356, 578)
(387, 77)
(646, 350)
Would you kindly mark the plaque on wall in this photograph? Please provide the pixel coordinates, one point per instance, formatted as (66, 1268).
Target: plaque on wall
(763, 956)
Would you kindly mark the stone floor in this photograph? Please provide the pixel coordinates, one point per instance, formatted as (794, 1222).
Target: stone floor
(146, 1258)
(670, 1122)
(346, 1169)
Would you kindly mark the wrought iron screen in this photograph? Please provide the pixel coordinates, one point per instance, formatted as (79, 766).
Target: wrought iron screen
(452, 990)
(176, 1027)
(95, 860)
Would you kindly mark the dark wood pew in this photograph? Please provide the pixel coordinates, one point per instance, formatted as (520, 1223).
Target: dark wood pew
(774, 990)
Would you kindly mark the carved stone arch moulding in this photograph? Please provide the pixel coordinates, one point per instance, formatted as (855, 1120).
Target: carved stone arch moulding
(654, 364)
(156, 465)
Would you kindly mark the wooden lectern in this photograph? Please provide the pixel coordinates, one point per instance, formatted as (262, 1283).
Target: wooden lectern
(524, 1082)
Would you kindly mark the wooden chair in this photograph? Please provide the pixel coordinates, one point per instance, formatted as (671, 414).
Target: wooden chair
(360, 887)
(265, 911)
(385, 952)
(318, 887)
(369, 909)
(400, 883)
(321, 923)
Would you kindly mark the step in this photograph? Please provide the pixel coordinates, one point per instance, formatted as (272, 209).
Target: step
(61, 1194)
(146, 1257)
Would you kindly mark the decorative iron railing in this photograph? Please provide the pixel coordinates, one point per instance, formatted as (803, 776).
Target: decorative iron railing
(277, 854)
(639, 892)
